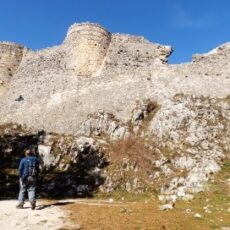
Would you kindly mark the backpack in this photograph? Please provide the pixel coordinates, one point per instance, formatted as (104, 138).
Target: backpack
(31, 169)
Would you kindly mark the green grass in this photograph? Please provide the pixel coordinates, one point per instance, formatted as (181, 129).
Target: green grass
(216, 198)
(121, 195)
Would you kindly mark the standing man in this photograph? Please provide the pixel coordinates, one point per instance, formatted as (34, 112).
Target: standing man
(28, 172)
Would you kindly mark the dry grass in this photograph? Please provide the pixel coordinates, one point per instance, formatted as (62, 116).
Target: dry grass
(132, 216)
(130, 159)
(143, 212)
(141, 156)
(133, 149)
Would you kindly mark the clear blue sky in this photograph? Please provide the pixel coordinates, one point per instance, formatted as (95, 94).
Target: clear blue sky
(190, 26)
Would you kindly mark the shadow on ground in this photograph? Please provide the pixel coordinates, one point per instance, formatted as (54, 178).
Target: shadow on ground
(41, 207)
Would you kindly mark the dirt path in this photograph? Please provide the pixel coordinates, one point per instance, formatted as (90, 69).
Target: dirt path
(50, 215)
(46, 216)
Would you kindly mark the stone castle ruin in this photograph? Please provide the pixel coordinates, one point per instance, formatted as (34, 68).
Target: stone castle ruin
(108, 87)
(88, 49)
(121, 64)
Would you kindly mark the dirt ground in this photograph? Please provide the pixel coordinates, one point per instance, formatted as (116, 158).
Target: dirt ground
(46, 216)
(124, 211)
(109, 214)
(101, 215)
(121, 211)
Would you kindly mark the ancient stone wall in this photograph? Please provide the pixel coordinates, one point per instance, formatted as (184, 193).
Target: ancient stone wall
(128, 53)
(42, 62)
(127, 69)
(10, 57)
(86, 46)
(218, 54)
(89, 49)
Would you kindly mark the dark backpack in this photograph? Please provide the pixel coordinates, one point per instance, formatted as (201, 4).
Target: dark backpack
(31, 168)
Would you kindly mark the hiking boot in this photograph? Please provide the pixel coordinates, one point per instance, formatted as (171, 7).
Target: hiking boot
(19, 206)
(33, 205)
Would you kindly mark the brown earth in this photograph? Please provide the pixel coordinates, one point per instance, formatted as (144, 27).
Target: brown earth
(137, 215)
(120, 210)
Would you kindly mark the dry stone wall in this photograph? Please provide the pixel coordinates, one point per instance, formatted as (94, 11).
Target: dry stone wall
(42, 62)
(10, 58)
(133, 54)
(86, 46)
(94, 70)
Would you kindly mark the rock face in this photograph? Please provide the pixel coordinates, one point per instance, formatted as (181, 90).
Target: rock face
(111, 87)
(196, 133)
(70, 166)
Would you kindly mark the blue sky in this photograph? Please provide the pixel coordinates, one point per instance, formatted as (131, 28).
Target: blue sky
(190, 26)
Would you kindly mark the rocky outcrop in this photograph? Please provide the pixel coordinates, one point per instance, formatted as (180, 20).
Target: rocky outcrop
(70, 166)
(195, 131)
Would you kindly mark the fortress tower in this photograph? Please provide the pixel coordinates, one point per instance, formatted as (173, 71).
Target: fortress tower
(87, 44)
(10, 57)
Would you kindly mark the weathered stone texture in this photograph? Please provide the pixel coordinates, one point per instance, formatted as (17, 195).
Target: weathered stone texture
(86, 47)
(10, 58)
(44, 62)
(133, 54)
(197, 131)
(124, 69)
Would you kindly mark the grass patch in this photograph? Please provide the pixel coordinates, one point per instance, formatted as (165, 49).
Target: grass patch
(121, 195)
(214, 203)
